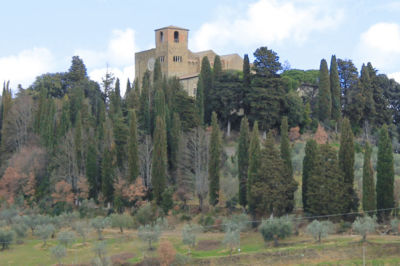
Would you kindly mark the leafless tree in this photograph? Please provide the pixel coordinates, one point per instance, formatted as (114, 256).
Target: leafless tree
(195, 161)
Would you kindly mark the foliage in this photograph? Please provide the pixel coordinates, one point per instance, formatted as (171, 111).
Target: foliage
(384, 174)
(101, 258)
(58, 252)
(275, 229)
(99, 224)
(324, 93)
(121, 221)
(189, 233)
(160, 161)
(66, 238)
(368, 187)
(266, 62)
(215, 161)
(83, 229)
(6, 238)
(44, 232)
(254, 165)
(335, 90)
(319, 229)
(364, 225)
(20, 230)
(149, 233)
(148, 213)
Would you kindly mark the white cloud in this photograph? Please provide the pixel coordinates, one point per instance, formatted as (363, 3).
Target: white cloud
(25, 66)
(380, 45)
(265, 22)
(395, 76)
(119, 57)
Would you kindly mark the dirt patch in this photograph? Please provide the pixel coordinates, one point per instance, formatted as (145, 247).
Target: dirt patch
(206, 245)
(148, 262)
(120, 259)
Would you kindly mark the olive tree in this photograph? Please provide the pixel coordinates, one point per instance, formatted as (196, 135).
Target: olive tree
(44, 232)
(364, 225)
(6, 238)
(99, 224)
(149, 233)
(66, 238)
(395, 224)
(189, 233)
(232, 236)
(319, 230)
(101, 258)
(275, 229)
(58, 252)
(121, 221)
(20, 230)
(82, 228)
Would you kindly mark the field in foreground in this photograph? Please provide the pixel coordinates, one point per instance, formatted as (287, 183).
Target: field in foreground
(127, 249)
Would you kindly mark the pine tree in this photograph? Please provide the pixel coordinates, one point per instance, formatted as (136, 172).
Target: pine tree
(214, 164)
(309, 162)
(346, 164)
(254, 164)
(384, 174)
(175, 137)
(243, 160)
(207, 81)
(217, 71)
(133, 149)
(77, 71)
(290, 183)
(369, 199)
(335, 90)
(160, 161)
(324, 93)
(324, 193)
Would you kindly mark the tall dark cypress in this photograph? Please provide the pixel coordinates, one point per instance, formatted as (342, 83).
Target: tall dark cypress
(175, 137)
(160, 160)
(91, 171)
(214, 164)
(78, 141)
(217, 70)
(254, 165)
(246, 84)
(335, 90)
(144, 111)
(324, 93)
(157, 76)
(368, 96)
(369, 199)
(243, 160)
(200, 100)
(309, 161)
(346, 164)
(133, 149)
(384, 175)
(207, 81)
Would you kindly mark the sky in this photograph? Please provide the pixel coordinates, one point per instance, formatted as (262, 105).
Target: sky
(41, 36)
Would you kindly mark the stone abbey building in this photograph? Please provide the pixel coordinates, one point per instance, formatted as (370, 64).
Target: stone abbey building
(177, 60)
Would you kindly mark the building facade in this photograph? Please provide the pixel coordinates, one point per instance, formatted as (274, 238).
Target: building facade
(177, 60)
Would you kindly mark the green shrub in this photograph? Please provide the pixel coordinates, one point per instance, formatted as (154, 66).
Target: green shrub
(149, 233)
(99, 224)
(207, 222)
(121, 221)
(6, 238)
(44, 232)
(364, 225)
(66, 238)
(20, 230)
(58, 252)
(148, 213)
(320, 229)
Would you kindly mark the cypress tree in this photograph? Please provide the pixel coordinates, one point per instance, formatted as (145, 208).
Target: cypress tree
(254, 165)
(107, 175)
(159, 105)
(133, 149)
(217, 67)
(243, 160)
(120, 131)
(324, 93)
(346, 164)
(160, 161)
(78, 141)
(65, 121)
(309, 162)
(368, 96)
(157, 76)
(369, 199)
(175, 137)
(246, 83)
(324, 192)
(289, 183)
(200, 100)
(214, 164)
(384, 174)
(207, 80)
(335, 90)
(144, 111)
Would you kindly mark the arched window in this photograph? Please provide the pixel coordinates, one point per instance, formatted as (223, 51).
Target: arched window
(176, 36)
(161, 36)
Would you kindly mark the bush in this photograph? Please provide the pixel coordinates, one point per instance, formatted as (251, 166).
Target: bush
(8, 215)
(275, 228)
(232, 237)
(99, 224)
(121, 221)
(239, 222)
(101, 258)
(181, 260)
(189, 233)
(148, 213)
(44, 232)
(167, 202)
(58, 252)
(320, 229)
(344, 227)
(66, 238)
(166, 252)
(364, 225)
(149, 233)
(20, 231)
(6, 238)
(207, 222)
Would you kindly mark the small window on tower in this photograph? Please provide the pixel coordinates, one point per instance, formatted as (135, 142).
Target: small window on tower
(161, 36)
(162, 59)
(176, 36)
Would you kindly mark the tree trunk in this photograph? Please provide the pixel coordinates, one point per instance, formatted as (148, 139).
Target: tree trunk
(275, 241)
(228, 129)
(200, 203)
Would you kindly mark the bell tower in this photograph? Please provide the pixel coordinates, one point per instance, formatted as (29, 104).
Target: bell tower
(172, 50)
